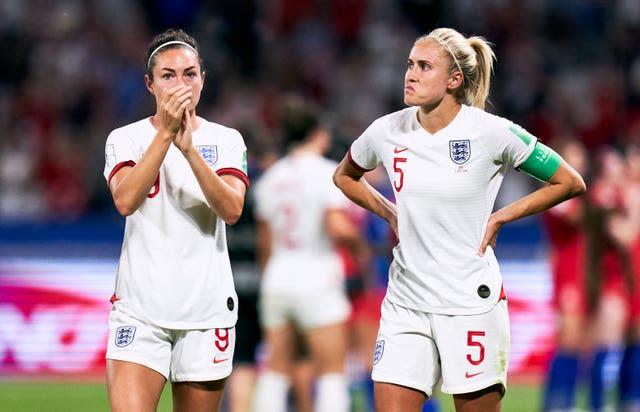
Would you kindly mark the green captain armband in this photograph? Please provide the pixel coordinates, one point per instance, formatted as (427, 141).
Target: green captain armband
(542, 163)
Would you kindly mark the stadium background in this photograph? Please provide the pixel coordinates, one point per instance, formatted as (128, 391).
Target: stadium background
(70, 71)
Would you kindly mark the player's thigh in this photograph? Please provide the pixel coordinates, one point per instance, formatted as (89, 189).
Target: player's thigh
(474, 349)
(328, 347)
(197, 396)
(133, 387)
(280, 345)
(389, 397)
(405, 353)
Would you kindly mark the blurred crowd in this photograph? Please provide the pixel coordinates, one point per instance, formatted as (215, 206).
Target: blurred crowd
(73, 69)
(567, 71)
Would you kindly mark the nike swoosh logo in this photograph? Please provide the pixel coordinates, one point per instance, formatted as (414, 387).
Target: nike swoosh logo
(471, 375)
(398, 150)
(216, 360)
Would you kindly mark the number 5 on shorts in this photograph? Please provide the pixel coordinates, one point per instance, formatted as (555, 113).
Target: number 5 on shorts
(471, 341)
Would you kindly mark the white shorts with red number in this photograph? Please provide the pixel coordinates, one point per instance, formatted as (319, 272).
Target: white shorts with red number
(179, 355)
(415, 349)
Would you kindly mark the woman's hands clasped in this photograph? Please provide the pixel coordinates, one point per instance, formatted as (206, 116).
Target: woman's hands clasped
(174, 116)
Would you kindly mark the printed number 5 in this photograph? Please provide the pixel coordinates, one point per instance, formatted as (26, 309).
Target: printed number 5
(397, 169)
(471, 342)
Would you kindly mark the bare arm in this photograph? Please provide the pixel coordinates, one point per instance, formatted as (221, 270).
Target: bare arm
(350, 181)
(130, 185)
(564, 184)
(342, 231)
(263, 239)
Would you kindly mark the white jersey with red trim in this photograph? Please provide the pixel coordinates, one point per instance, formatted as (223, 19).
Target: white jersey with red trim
(445, 187)
(293, 196)
(174, 268)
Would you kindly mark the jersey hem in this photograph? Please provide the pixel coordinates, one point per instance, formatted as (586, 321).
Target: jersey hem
(219, 322)
(443, 310)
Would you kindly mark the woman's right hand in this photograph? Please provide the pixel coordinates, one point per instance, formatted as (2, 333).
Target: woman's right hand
(171, 107)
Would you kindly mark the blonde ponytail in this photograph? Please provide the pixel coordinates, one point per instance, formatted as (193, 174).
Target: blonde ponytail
(473, 57)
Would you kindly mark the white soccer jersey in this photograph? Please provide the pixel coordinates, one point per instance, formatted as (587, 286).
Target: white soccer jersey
(174, 268)
(445, 186)
(293, 196)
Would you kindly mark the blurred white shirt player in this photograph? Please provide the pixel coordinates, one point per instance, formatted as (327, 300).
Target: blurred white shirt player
(301, 218)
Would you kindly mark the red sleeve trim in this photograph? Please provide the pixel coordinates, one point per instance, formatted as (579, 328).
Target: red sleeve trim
(131, 163)
(128, 163)
(114, 299)
(156, 187)
(354, 164)
(234, 172)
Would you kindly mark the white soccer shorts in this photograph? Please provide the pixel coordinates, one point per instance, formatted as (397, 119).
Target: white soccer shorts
(179, 355)
(416, 349)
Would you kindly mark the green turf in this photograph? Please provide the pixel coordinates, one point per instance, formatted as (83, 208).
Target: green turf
(519, 398)
(60, 397)
(35, 396)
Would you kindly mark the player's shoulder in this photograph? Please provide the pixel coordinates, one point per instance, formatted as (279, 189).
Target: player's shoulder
(132, 131)
(479, 119)
(217, 129)
(401, 121)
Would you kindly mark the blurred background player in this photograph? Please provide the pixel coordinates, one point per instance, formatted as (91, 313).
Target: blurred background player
(608, 276)
(301, 219)
(567, 246)
(624, 229)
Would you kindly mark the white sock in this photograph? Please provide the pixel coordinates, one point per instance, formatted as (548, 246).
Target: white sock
(332, 393)
(271, 392)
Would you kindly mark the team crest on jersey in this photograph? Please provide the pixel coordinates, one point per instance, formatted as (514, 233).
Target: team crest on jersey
(124, 335)
(377, 355)
(459, 151)
(209, 153)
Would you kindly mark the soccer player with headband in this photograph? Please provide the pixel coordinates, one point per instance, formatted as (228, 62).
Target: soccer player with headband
(178, 179)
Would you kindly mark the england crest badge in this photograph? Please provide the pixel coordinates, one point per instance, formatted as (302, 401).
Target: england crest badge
(459, 151)
(124, 335)
(377, 355)
(209, 153)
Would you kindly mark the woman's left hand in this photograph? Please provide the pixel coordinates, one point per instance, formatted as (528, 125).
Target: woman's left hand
(183, 140)
(490, 234)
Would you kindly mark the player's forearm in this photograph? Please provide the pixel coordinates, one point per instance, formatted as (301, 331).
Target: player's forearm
(132, 187)
(564, 184)
(224, 200)
(359, 191)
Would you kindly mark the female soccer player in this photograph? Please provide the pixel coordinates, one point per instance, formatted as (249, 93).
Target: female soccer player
(445, 312)
(567, 235)
(302, 218)
(178, 179)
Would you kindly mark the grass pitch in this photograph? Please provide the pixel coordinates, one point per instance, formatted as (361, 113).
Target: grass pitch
(52, 396)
